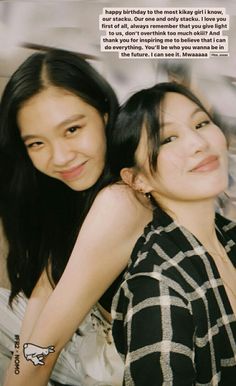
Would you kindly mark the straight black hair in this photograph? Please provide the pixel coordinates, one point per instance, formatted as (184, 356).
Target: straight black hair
(42, 216)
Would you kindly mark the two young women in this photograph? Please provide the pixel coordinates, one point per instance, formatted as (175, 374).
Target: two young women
(177, 303)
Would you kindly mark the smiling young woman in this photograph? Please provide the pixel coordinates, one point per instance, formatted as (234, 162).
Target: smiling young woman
(57, 116)
(175, 311)
(192, 159)
(64, 137)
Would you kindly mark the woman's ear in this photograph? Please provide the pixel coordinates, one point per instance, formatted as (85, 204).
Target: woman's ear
(141, 184)
(127, 175)
(136, 182)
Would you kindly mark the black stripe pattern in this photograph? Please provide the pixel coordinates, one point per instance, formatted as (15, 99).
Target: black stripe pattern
(172, 320)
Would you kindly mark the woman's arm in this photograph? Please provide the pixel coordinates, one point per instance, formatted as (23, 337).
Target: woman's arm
(101, 252)
(37, 301)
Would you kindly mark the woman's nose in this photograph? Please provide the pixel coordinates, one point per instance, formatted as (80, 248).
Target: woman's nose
(196, 142)
(61, 153)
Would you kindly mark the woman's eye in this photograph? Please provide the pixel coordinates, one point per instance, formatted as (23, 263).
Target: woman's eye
(34, 145)
(202, 124)
(169, 139)
(72, 130)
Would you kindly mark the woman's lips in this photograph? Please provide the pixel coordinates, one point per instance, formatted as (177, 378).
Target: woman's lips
(208, 164)
(72, 173)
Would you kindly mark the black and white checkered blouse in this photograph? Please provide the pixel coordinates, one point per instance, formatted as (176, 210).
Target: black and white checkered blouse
(173, 323)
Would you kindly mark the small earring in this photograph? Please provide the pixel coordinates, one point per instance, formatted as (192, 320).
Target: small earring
(142, 192)
(148, 195)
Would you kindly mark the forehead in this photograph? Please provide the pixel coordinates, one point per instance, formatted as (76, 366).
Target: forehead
(50, 107)
(177, 107)
(51, 96)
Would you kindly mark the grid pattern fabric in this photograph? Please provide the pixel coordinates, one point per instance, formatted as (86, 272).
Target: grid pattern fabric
(173, 323)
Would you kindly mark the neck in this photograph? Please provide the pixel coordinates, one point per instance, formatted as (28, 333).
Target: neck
(198, 217)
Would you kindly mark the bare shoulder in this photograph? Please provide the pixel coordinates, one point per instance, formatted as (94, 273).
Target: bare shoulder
(119, 204)
(115, 191)
(120, 196)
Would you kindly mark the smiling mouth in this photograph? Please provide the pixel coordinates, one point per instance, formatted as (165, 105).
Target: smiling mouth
(72, 173)
(208, 164)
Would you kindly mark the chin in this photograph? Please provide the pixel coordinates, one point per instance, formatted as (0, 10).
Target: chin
(80, 185)
(77, 187)
(214, 193)
(217, 185)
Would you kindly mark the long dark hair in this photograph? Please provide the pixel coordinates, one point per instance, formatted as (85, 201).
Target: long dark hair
(143, 108)
(42, 216)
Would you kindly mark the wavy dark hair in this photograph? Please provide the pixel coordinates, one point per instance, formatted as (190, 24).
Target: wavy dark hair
(143, 108)
(42, 216)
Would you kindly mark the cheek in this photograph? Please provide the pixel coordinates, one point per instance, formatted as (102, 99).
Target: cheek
(223, 142)
(94, 149)
(170, 162)
(218, 139)
(96, 143)
(38, 160)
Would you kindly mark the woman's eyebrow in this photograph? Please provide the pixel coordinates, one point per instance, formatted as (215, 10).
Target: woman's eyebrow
(28, 137)
(63, 123)
(198, 109)
(71, 119)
